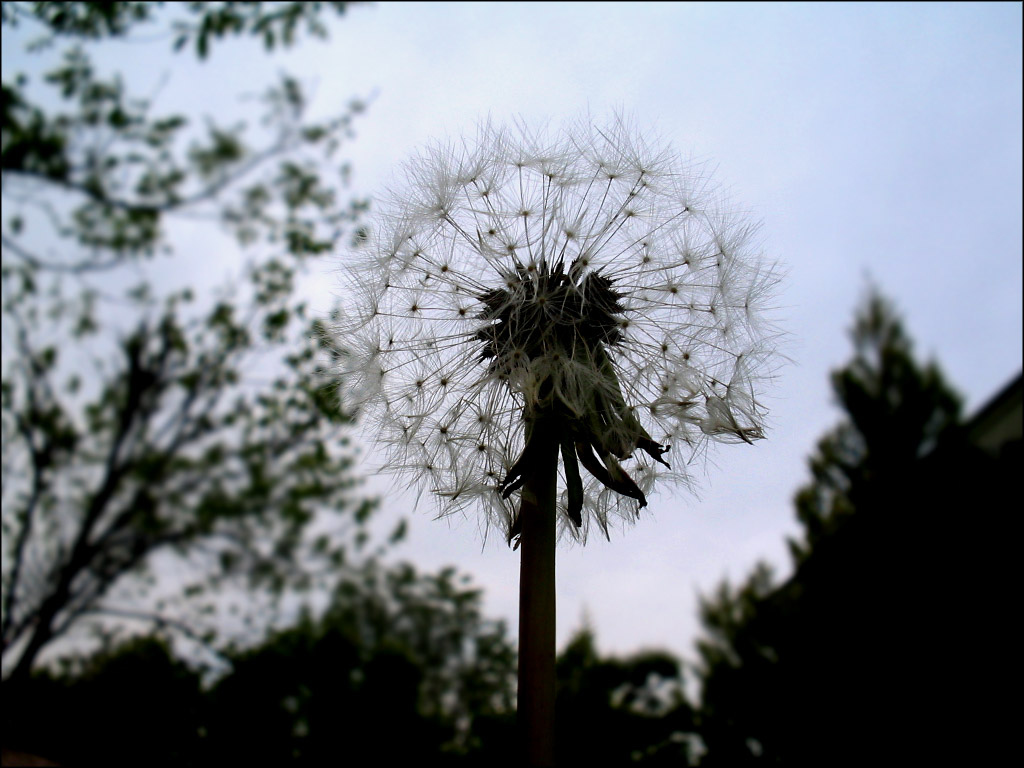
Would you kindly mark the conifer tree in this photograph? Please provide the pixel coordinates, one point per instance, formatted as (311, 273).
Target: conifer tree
(853, 659)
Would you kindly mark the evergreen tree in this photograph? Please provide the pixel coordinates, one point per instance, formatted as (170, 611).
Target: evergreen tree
(897, 413)
(853, 659)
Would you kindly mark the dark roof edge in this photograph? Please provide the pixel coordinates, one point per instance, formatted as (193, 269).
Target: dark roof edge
(997, 401)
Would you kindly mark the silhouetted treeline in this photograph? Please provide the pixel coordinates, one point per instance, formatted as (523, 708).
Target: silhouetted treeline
(884, 646)
(888, 644)
(401, 668)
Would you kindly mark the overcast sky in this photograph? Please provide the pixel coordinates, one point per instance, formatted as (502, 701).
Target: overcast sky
(876, 142)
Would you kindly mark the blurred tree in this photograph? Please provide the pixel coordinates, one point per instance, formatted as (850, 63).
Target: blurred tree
(147, 418)
(133, 704)
(613, 711)
(399, 667)
(850, 661)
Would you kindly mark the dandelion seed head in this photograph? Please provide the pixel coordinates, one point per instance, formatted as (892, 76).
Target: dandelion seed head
(586, 277)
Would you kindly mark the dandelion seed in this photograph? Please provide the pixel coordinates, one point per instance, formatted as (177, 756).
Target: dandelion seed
(588, 282)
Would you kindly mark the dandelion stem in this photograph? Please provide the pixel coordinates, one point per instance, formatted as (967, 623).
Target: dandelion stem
(536, 697)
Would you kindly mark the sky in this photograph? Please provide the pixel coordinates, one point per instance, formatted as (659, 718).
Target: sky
(878, 144)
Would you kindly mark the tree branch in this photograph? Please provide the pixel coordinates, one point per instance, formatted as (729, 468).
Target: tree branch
(160, 622)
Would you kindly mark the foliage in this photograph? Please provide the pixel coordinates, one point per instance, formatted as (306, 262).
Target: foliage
(400, 666)
(152, 419)
(613, 711)
(897, 413)
(106, 711)
(272, 23)
(845, 663)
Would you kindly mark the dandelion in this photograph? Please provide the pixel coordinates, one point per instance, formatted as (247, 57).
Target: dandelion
(550, 327)
(583, 291)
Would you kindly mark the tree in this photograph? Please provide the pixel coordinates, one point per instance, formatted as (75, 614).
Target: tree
(99, 709)
(851, 657)
(401, 665)
(147, 424)
(613, 711)
(898, 412)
